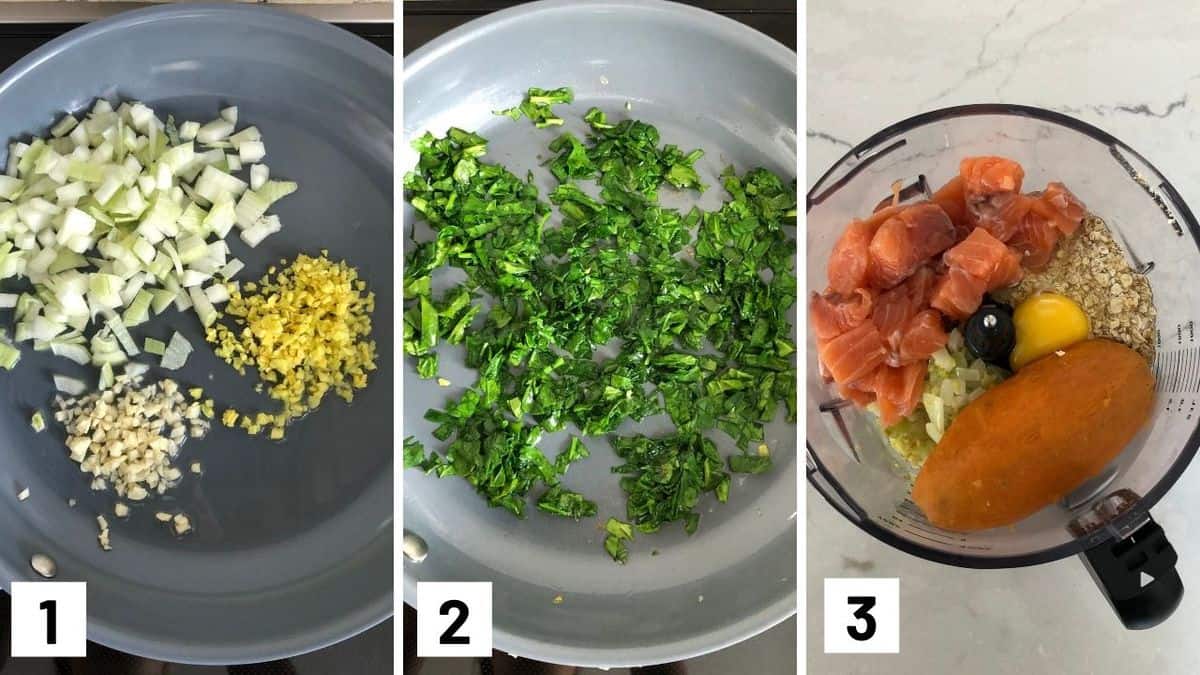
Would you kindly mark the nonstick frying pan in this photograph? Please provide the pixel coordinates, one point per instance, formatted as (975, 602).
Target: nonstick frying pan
(293, 542)
(706, 82)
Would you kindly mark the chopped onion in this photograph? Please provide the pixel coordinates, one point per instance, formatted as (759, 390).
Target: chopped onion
(231, 268)
(11, 188)
(64, 126)
(120, 213)
(178, 157)
(934, 433)
(250, 208)
(202, 306)
(250, 152)
(188, 130)
(191, 278)
(247, 134)
(156, 347)
(176, 353)
(216, 130)
(69, 385)
(942, 359)
(162, 299)
(75, 352)
(106, 349)
(137, 311)
(955, 342)
(135, 370)
(183, 301)
(122, 334)
(191, 249)
(260, 230)
(38, 328)
(217, 294)
(106, 377)
(104, 291)
(259, 173)
(9, 355)
(221, 217)
(213, 184)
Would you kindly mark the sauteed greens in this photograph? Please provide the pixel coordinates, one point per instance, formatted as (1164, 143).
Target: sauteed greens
(623, 310)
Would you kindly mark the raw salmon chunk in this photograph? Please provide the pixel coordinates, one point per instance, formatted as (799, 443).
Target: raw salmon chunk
(923, 336)
(1061, 208)
(991, 190)
(905, 241)
(898, 391)
(853, 354)
(986, 176)
(1035, 239)
(1009, 272)
(848, 261)
(980, 254)
(900, 277)
(986, 257)
(857, 396)
(833, 313)
(1004, 214)
(895, 307)
(951, 199)
(847, 268)
(958, 293)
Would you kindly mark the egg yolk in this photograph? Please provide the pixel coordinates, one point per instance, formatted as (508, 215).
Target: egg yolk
(1045, 323)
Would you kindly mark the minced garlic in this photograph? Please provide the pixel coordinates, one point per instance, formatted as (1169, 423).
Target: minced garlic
(128, 436)
(306, 331)
(102, 537)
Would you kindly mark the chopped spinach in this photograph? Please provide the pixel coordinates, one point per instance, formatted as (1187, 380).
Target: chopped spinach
(617, 533)
(749, 463)
(664, 478)
(562, 502)
(574, 452)
(689, 310)
(415, 458)
(536, 106)
(427, 365)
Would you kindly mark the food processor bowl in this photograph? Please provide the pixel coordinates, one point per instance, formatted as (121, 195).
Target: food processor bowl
(1106, 521)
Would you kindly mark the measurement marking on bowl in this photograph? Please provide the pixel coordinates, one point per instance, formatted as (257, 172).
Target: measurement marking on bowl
(1178, 371)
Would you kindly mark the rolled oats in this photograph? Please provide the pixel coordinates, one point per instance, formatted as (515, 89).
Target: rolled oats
(1091, 269)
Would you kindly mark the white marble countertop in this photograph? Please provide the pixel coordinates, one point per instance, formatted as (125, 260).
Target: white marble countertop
(1131, 68)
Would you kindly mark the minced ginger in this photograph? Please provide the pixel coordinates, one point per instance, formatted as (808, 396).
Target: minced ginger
(307, 331)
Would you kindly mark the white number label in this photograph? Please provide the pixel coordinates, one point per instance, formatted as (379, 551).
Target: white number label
(862, 616)
(454, 619)
(49, 618)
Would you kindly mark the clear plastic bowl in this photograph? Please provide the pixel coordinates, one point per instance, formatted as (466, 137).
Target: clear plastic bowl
(848, 462)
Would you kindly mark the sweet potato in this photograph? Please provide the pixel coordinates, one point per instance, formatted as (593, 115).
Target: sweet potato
(1032, 439)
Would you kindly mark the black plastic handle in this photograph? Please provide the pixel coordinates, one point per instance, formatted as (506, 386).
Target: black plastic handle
(1137, 575)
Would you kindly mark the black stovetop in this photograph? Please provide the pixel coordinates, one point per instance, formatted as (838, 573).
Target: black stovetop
(18, 39)
(427, 19)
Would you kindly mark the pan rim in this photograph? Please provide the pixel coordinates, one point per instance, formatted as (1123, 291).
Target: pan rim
(738, 33)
